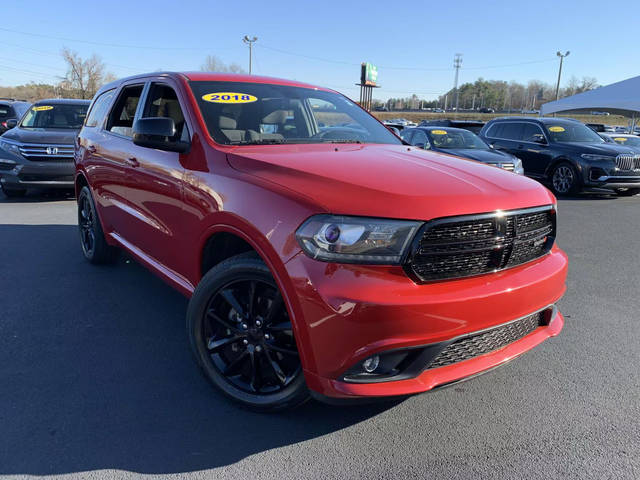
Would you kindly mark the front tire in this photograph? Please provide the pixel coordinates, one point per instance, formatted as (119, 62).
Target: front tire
(242, 337)
(628, 192)
(94, 246)
(565, 180)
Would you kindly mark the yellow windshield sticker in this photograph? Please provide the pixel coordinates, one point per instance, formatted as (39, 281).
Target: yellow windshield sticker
(438, 132)
(42, 108)
(620, 139)
(556, 129)
(229, 97)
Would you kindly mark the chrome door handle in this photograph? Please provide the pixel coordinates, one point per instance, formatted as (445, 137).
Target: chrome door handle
(132, 161)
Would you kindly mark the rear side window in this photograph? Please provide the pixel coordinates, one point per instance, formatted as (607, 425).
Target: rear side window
(124, 111)
(506, 130)
(99, 109)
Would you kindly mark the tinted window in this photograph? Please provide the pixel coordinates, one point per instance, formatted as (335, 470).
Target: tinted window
(124, 111)
(532, 133)
(456, 138)
(66, 116)
(406, 134)
(420, 138)
(99, 109)
(162, 101)
(510, 131)
(250, 113)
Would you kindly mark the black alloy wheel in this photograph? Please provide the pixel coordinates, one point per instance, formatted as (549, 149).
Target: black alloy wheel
(242, 336)
(94, 246)
(86, 222)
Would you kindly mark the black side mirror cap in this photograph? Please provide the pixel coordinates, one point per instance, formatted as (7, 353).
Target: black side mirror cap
(12, 122)
(155, 132)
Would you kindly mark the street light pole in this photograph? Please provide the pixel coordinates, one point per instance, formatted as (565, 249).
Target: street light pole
(249, 41)
(560, 71)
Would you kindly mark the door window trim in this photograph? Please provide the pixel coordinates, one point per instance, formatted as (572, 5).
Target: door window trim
(146, 94)
(141, 102)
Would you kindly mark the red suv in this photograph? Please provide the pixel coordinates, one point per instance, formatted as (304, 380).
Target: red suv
(321, 255)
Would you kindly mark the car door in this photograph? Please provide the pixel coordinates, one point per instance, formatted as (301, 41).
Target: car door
(112, 151)
(155, 192)
(533, 149)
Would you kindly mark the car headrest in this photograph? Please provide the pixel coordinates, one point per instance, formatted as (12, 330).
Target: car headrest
(277, 116)
(227, 123)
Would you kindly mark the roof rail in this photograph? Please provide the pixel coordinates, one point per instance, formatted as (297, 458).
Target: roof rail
(12, 99)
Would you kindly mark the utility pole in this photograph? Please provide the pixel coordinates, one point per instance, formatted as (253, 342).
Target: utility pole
(457, 63)
(560, 71)
(249, 41)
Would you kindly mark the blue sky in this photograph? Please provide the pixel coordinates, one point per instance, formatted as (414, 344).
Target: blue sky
(413, 43)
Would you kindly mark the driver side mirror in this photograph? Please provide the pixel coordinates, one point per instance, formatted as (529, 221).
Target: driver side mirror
(423, 146)
(156, 132)
(11, 123)
(541, 140)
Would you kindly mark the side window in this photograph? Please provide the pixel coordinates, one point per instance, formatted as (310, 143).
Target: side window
(162, 101)
(532, 133)
(420, 139)
(124, 111)
(99, 109)
(495, 130)
(511, 131)
(406, 135)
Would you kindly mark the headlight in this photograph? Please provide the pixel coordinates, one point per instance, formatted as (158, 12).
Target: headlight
(10, 147)
(601, 158)
(341, 239)
(517, 166)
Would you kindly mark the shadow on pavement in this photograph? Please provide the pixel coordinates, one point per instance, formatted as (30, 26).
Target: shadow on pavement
(95, 372)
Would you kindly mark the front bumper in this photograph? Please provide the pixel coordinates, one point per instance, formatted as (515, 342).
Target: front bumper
(346, 313)
(38, 174)
(607, 181)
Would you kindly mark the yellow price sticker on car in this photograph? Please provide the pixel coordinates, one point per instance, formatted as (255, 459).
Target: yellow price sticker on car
(229, 97)
(556, 129)
(620, 139)
(438, 132)
(42, 108)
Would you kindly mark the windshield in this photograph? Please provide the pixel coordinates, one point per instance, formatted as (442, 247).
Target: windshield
(572, 132)
(239, 113)
(454, 138)
(55, 116)
(628, 141)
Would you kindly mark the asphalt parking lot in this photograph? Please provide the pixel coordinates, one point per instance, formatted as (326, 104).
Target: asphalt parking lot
(97, 380)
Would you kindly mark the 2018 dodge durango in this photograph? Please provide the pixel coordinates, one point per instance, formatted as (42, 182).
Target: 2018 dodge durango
(320, 259)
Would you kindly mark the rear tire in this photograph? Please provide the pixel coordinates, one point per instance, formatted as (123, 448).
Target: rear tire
(565, 180)
(13, 192)
(628, 192)
(242, 338)
(94, 246)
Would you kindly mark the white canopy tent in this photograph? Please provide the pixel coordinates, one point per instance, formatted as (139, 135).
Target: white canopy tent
(621, 98)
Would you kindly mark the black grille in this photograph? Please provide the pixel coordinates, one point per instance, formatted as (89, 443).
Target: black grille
(47, 158)
(463, 246)
(487, 341)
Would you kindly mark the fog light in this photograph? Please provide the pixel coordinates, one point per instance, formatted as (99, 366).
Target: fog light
(371, 363)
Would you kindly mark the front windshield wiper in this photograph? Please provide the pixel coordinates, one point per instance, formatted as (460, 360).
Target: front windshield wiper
(346, 140)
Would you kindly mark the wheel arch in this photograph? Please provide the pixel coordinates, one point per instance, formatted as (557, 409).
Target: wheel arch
(247, 236)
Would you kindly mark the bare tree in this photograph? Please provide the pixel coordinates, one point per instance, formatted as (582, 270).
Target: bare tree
(84, 76)
(214, 64)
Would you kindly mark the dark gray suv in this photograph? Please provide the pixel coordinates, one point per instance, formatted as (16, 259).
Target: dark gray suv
(38, 152)
(11, 110)
(565, 153)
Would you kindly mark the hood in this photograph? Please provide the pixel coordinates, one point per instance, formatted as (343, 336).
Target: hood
(391, 181)
(486, 156)
(42, 135)
(612, 149)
